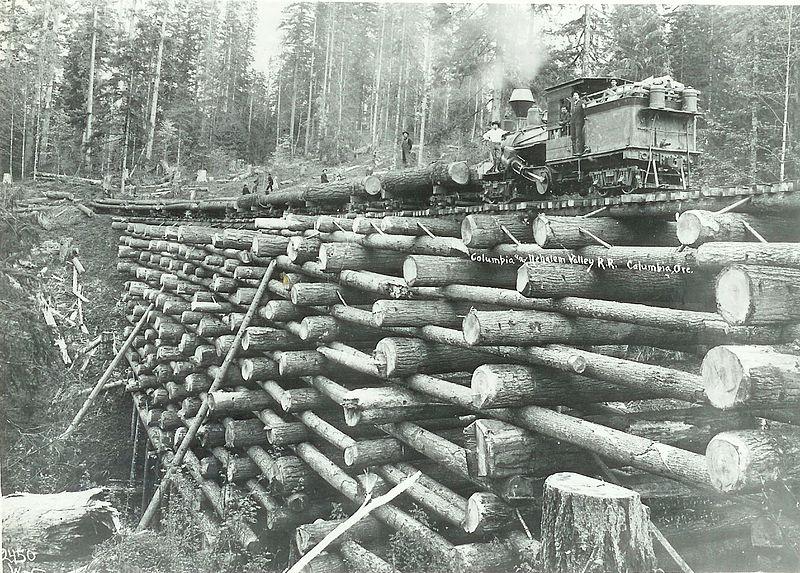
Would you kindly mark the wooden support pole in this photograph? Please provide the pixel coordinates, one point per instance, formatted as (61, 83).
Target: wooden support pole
(98, 387)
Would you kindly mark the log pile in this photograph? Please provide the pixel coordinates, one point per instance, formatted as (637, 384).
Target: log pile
(489, 354)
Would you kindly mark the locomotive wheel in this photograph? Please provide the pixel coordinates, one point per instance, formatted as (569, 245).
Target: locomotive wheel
(546, 186)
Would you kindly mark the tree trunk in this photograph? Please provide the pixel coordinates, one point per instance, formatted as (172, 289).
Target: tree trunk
(88, 133)
(426, 96)
(58, 525)
(406, 356)
(532, 327)
(588, 279)
(417, 182)
(591, 526)
(786, 91)
(307, 145)
(151, 124)
(376, 87)
(293, 109)
(335, 257)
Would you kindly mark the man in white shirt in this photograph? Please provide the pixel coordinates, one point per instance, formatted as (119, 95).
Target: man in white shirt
(494, 137)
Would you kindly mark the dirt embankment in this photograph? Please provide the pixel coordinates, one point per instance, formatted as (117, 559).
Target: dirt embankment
(39, 391)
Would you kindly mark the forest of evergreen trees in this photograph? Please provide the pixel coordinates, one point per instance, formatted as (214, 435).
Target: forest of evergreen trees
(93, 87)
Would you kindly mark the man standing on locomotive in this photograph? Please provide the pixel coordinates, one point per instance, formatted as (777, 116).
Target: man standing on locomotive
(494, 137)
(577, 120)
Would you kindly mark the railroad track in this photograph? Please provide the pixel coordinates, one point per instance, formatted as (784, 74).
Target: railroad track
(654, 202)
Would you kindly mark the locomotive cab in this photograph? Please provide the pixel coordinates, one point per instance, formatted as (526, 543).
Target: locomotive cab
(621, 136)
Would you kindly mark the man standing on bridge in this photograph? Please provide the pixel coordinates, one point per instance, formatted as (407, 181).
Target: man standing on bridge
(405, 149)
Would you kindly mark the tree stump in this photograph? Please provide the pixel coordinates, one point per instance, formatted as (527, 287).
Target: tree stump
(593, 526)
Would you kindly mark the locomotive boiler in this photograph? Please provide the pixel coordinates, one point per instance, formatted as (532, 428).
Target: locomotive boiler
(598, 136)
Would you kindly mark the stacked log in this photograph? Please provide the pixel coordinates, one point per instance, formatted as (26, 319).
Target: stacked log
(486, 362)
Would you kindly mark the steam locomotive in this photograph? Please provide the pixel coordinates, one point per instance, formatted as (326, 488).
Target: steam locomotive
(605, 135)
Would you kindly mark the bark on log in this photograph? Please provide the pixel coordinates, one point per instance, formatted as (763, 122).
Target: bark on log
(718, 255)
(557, 232)
(308, 535)
(593, 526)
(264, 245)
(419, 313)
(361, 560)
(758, 295)
(260, 338)
(57, 525)
(425, 270)
(411, 226)
(406, 356)
(750, 459)
(480, 231)
(303, 249)
(258, 369)
(753, 376)
(532, 327)
(326, 294)
(293, 364)
(546, 280)
(334, 257)
(222, 403)
(696, 227)
(509, 385)
(486, 514)
(391, 286)
(417, 181)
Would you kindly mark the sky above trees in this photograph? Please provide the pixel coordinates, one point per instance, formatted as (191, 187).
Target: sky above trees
(209, 83)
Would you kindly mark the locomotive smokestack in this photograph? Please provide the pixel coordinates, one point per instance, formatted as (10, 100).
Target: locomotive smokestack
(521, 101)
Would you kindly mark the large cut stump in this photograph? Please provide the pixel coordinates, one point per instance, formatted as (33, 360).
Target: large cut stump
(58, 525)
(593, 526)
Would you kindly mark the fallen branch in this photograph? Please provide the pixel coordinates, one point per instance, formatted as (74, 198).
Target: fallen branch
(359, 514)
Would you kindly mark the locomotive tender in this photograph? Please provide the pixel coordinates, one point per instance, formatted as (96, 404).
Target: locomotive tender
(614, 136)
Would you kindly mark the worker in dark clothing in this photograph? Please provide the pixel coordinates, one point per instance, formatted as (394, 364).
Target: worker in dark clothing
(245, 190)
(564, 120)
(405, 149)
(270, 183)
(577, 121)
(324, 177)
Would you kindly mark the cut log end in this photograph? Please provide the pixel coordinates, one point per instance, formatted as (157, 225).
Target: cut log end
(468, 229)
(458, 172)
(577, 484)
(540, 230)
(734, 296)
(522, 279)
(410, 271)
(372, 185)
(690, 228)
(724, 378)
(471, 328)
(727, 457)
